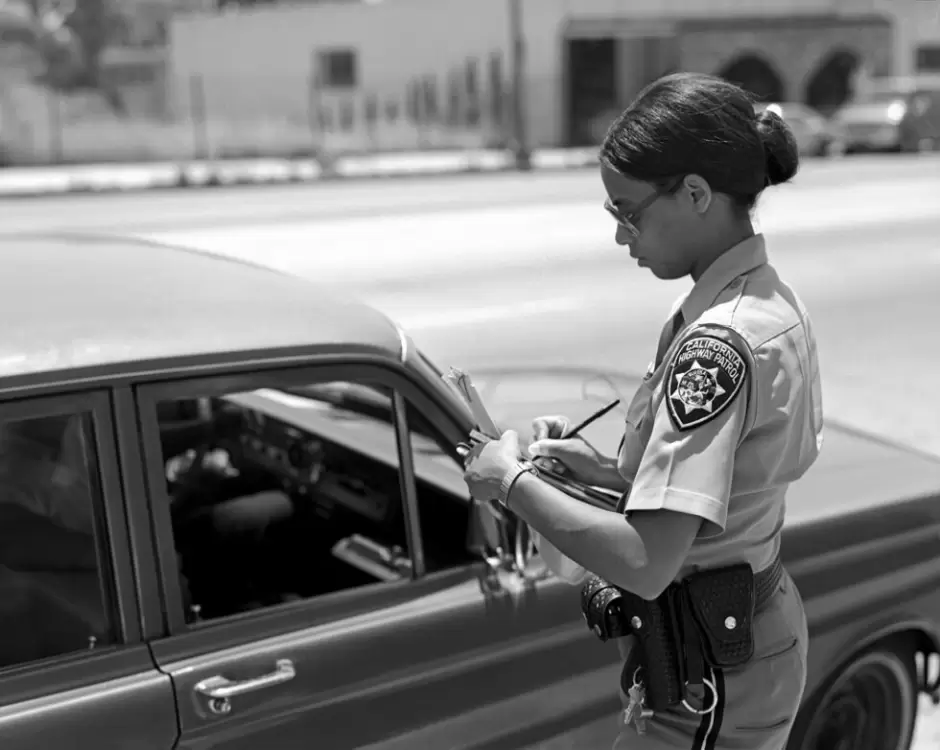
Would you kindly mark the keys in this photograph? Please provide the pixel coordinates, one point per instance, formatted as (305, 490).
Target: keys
(640, 720)
(636, 711)
(636, 697)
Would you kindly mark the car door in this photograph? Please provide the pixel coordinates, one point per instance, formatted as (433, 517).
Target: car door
(384, 634)
(74, 669)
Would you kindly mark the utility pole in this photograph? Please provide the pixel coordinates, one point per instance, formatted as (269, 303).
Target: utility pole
(520, 146)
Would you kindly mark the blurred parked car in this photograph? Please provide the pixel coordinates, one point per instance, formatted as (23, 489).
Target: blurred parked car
(894, 114)
(815, 135)
(257, 531)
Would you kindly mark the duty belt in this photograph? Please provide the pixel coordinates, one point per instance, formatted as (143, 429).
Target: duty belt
(701, 623)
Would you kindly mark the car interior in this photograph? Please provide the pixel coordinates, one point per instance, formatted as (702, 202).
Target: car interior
(284, 495)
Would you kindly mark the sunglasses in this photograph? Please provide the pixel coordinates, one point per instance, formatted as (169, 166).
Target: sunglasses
(628, 220)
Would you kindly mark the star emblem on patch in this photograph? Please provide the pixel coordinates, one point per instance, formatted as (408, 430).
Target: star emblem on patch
(705, 375)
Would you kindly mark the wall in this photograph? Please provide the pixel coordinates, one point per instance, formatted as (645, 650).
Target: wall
(700, 50)
(259, 61)
(917, 22)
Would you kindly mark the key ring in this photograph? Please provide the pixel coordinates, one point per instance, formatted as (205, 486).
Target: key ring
(637, 682)
(705, 711)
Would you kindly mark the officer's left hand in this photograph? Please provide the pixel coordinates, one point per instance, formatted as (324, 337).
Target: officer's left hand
(488, 463)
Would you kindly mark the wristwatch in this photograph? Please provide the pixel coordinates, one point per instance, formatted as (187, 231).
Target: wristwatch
(509, 479)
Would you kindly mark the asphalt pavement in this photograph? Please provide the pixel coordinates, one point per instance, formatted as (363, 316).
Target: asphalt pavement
(512, 268)
(515, 268)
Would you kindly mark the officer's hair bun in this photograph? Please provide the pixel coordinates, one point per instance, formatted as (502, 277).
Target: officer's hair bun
(780, 149)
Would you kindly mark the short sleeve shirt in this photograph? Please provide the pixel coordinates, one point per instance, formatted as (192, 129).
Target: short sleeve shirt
(732, 415)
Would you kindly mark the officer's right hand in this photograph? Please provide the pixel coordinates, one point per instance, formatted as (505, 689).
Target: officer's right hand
(575, 457)
(550, 427)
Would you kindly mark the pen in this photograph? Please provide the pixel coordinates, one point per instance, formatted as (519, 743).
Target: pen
(593, 418)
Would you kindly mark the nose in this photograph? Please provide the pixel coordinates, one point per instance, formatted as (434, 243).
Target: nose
(623, 236)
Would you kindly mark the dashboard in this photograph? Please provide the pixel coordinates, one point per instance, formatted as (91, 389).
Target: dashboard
(332, 465)
(340, 465)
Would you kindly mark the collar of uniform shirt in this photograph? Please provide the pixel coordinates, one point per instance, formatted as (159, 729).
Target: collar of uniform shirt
(743, 257)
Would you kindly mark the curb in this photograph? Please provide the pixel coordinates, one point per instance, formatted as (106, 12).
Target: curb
(99, 178)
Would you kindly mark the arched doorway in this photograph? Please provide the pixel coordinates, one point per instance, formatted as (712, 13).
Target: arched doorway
(753, 73)
(831, 85)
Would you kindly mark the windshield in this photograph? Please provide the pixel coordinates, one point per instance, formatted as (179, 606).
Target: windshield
(354, 401)
(515, 399)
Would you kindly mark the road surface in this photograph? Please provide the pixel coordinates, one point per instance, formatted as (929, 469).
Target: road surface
(523, 269)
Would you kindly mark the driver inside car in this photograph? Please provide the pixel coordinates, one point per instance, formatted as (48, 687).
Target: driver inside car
(225, 519)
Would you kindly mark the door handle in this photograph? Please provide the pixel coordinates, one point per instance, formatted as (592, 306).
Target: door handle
(219, 688)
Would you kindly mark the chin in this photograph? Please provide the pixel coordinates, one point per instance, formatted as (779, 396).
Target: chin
(666, 274)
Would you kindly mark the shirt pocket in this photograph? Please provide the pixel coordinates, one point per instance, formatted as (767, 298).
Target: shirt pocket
(636, 430)
(640, 406)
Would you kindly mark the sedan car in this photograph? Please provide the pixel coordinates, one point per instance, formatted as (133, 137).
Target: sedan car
(233, 516)
(815, 134)
(893, 114)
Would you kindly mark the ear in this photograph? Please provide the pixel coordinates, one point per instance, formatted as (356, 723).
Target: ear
(699, 193)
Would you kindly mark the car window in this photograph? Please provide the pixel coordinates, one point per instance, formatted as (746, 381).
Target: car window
(279, 495)
(52, 585)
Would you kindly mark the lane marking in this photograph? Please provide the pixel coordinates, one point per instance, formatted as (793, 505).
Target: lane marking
(472, 315)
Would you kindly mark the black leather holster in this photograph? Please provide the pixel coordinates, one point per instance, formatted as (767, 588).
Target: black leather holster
(701, 623)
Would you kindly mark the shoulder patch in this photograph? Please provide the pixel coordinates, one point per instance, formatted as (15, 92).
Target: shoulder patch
(704, 377)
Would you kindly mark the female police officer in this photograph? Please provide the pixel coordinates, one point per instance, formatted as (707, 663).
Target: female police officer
(728, 415)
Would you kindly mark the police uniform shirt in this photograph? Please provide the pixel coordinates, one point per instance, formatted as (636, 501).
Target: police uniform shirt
(731, 415)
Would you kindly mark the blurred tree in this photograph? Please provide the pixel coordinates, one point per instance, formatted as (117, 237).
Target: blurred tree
(75, 36)
(95, 24)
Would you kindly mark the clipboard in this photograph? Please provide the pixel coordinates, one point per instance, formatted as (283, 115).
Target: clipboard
(487, 429)
(462, 385)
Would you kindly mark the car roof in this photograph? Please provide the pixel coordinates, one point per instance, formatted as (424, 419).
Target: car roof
(82, 301)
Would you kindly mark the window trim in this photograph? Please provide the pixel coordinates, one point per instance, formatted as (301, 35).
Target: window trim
(331, 607)
(86, 667)
(408, 485)
(141, 537)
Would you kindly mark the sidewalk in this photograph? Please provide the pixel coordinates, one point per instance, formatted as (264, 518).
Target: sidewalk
(34, 181)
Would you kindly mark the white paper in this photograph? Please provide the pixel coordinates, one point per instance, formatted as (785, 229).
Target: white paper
(562, 566)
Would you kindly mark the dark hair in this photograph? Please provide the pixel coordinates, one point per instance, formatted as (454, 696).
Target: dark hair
(689, 123)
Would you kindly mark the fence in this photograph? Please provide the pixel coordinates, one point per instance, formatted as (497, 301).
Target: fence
(291, 115)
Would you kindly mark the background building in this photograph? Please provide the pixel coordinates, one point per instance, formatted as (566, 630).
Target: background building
(306, 64)
(917, 24)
